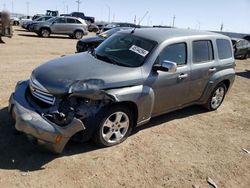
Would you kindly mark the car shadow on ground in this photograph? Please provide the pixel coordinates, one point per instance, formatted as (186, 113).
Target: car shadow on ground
(21, 30)
(52, 37)
(245, 74)
(18, 153)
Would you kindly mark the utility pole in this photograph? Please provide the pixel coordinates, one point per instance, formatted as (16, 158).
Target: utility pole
(67, 8)
(28, 8)
(135, 20)
(78, 5)
(63, 7)
(4, 5)
(221, 27)
(173, 21)
(12, 6)
(108, 13)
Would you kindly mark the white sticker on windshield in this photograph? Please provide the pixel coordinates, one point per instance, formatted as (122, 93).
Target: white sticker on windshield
(138, 50)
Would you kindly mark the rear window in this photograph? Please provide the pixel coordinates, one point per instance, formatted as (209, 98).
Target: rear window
(224, 48)
(202, 51)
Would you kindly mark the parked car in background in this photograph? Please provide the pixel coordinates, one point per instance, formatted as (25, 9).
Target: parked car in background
(93, 28)
(241, 48)
(130, 78)
(14, 21)
(118, 24)
(74, 27)
(81, 15)
(29, 24)
(24, 19)
(90, 43)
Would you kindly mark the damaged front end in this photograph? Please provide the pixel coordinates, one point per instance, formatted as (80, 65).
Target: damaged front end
(53, 120)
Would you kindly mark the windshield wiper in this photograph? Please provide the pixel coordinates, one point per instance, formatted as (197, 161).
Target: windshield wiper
(106, 58)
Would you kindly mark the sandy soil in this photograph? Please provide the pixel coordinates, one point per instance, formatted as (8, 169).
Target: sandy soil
(179, 149)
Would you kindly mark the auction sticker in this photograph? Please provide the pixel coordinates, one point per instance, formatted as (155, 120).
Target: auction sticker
(138, 50)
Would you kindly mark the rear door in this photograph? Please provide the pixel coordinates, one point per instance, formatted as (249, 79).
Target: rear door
(203, 66)
(71, 25)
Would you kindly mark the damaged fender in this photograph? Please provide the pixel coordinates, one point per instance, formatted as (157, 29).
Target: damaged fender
(142, 96)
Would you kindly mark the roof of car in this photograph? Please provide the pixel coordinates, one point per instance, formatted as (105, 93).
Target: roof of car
(161, 34)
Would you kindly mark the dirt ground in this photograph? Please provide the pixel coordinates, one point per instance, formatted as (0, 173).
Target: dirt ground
(179, 149)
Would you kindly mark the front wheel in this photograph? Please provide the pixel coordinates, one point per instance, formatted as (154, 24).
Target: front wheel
(114, 127)
(216, 98)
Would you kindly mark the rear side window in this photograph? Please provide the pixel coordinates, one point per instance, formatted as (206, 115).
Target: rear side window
(176, 53)
(202, 51)
(70, 20)
(224, 48)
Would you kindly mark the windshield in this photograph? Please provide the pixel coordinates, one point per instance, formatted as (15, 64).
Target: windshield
(51, 19)
(125, 50)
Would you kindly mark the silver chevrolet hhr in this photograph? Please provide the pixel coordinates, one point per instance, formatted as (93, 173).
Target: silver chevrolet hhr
(131, 77)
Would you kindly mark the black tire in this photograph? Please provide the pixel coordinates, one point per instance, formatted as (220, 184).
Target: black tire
(210, 104)
(28, 28)
(44, 32)
(78, 34)
(71, 36)
(16, 23)
(246, 56)
(105, 115)
(95, 30)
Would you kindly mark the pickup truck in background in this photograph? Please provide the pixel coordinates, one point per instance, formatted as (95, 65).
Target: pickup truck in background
(80, 15)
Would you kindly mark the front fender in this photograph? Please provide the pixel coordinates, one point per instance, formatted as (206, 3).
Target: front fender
(142, 96)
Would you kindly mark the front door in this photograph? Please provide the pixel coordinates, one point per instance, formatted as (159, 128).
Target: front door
(58, 26)
(171, 89)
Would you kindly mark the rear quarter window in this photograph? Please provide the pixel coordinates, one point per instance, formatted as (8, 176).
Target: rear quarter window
(224, 48)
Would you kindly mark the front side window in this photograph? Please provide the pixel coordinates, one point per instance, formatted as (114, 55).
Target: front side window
(61, 20)
(202, 51)
(125, 50)
(176, 53)
(224, 48)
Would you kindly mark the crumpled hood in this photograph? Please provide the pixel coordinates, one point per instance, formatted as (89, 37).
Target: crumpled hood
(58, 76)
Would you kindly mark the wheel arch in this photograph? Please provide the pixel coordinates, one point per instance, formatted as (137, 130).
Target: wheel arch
(44, 28)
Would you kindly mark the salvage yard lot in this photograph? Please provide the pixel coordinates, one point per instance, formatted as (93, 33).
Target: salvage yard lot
(179, 149)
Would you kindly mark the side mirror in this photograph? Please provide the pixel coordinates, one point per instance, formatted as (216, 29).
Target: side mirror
(166, 66)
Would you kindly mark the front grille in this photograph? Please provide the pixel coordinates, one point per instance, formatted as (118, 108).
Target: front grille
(40, 94)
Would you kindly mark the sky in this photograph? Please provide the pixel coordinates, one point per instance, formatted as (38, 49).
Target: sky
(194, 14)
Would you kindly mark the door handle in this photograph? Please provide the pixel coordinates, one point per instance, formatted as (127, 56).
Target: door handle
(212, 69)
(182, 76)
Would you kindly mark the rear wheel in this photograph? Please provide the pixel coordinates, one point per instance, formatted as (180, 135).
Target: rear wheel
(115, 125)
(45, 33)
(216, 97)
(78, 34)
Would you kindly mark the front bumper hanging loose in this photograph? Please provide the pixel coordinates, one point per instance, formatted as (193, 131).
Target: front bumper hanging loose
(29, 121)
